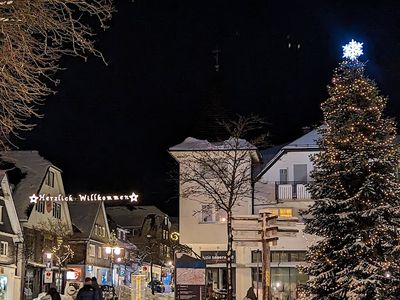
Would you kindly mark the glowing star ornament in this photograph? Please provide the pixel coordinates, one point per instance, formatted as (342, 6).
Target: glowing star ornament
(352, 50)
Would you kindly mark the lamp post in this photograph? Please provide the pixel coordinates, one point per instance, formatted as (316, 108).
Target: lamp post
(112, 252)
(149, 237)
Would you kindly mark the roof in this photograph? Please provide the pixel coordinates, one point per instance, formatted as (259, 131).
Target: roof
(193, 144)
(83, 216)
(307, 141)
(131, 217)
(266, 156)
(34, 168)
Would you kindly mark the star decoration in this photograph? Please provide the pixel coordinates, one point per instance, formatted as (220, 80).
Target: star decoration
(33, 198)
(134, 197)
(352, 50)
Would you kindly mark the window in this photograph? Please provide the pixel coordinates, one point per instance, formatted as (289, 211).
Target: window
(92, 250)
(40, 206)
(99, 252)
(220, 215)
(286, 212)
(281, 212)
(300, 173)
(57, 210)
(3, 248)
(283, 176)
(1, 214)
(96, 229)
(103, 231)
(50, 178)
(206, 213)
(288, 256)
(133, 232)
(256, 255)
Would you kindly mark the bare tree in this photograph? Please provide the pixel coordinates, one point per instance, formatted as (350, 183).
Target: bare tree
(58, 234)
(34, 35)
(221, 176)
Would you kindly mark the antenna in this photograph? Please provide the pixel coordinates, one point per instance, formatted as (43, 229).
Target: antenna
(216, 53)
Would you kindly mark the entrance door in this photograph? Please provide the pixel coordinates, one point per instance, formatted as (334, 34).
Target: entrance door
(300, 173)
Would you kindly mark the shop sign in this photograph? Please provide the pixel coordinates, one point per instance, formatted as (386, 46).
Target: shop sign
(48, 277)
(190, 277)
(216, 257)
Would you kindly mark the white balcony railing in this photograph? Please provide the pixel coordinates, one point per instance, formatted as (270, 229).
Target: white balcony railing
(291, 191)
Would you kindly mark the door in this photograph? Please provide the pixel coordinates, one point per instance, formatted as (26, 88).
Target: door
(300, 173)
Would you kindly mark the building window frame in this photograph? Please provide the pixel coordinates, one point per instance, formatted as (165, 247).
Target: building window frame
(92, 250)
(3, 248)
(50, 178)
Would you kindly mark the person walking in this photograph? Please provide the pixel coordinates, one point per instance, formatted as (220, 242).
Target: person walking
(250, 295)
(87, 292)
(96, 286)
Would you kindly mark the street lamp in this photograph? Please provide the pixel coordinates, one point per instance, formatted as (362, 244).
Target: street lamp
(112, 252)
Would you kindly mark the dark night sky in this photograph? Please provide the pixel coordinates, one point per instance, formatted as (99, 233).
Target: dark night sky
(109, 127)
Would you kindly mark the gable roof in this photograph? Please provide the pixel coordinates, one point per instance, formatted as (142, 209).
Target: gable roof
(307, 142)
(34, 167)
(132, 218)
(83, 217)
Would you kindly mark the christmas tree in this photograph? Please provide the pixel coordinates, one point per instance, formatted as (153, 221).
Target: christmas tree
(356, 187)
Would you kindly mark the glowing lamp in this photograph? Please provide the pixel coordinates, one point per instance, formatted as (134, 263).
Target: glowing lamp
(119, 259)
(108, 250)
(117, 251)
(48, 255)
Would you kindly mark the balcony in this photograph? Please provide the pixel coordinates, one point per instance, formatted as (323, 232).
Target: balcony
(291, 190)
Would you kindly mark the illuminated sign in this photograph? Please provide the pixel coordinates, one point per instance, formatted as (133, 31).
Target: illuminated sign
(86, 197)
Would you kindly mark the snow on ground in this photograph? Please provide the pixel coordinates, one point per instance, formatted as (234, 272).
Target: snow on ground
(158, 296)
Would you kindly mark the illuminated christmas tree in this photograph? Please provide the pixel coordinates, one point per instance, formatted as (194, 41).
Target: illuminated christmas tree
(356, 211)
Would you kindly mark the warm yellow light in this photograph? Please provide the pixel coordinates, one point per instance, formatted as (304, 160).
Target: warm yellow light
(48, 255)
(108, 250)
(119, 259)
(117, 251)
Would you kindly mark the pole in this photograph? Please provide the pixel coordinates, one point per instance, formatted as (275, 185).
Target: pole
(266, 258)
(258, 269)
(151, 276)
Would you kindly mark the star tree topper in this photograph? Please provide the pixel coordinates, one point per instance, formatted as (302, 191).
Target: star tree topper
(352, 50)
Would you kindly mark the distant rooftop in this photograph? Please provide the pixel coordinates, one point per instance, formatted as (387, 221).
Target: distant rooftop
(193, 144)
(83, 216)
(132, 217)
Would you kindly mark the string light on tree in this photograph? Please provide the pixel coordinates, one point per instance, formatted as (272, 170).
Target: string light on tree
(352, 50)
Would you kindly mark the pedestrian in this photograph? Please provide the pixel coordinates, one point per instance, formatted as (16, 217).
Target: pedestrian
(87, 292)
(54, 294)
(250, 295)
(97, 288)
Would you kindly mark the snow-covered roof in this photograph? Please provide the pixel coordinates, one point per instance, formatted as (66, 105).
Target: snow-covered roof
(131, 217)
(193, 144)
(307, 141)
(83, 216)
(34, 168)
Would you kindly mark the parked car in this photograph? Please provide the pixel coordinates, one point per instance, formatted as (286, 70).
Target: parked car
(158, 286)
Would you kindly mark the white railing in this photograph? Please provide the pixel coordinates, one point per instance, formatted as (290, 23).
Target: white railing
(291, 191)
(285, 191)
(302, 192)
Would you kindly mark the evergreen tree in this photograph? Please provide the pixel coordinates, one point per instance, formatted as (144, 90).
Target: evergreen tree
(356, 211)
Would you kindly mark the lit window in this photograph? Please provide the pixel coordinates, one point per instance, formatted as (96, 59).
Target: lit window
(50, 178)
(1, 214)
(92, 250)
(286, 212)
(99, 252)
(96, 229)
(3, 248)
(274, 211)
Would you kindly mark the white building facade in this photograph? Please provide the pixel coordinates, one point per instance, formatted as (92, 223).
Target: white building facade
(279, 184)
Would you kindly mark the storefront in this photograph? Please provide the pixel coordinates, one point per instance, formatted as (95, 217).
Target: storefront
(33, 284)
(9, 284)
(216, 272)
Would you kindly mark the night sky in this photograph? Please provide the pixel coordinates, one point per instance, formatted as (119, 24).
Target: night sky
(109, 127)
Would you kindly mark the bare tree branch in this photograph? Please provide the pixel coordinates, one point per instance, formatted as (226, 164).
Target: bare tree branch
(34, 35)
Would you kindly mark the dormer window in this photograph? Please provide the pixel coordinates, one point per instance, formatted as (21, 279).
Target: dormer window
(50, 178)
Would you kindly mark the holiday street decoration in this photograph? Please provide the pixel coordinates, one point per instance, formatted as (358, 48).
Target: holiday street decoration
(356, 191)
(85, 197)
(352, 50)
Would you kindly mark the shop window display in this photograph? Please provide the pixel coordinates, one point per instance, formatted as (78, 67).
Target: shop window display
(3, 288)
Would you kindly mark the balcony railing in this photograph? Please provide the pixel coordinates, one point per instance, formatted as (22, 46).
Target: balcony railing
(291, 190)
